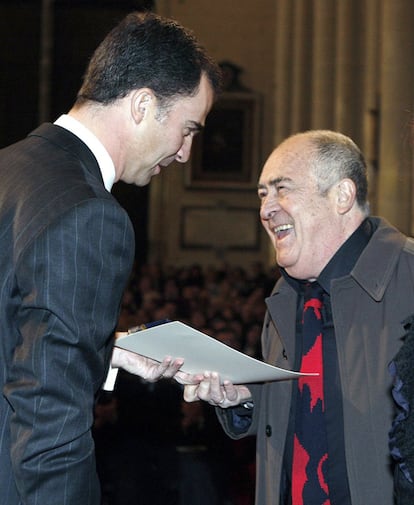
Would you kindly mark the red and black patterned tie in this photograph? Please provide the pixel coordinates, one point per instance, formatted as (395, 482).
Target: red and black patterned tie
(310, 451)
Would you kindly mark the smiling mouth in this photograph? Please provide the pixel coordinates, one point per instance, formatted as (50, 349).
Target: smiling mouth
(282, 230)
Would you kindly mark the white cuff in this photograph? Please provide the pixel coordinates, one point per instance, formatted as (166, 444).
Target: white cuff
(109, 384)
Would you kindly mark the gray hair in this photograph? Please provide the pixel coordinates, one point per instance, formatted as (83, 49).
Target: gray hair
(337, 157)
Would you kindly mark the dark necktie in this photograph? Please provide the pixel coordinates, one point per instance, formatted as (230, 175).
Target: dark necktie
(310, 454)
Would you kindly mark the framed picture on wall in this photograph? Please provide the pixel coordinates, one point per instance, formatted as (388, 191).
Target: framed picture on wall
(226, 154)
(235, 228)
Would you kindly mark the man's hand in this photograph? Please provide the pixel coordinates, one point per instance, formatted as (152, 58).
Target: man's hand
(212, 391)
(150, 369)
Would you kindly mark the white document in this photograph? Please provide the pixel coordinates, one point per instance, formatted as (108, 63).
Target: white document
(201, 353)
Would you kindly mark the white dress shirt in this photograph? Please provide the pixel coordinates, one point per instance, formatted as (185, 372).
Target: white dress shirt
(105, 162)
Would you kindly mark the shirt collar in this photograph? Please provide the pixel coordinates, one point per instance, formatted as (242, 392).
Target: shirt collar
(344, 259)
(105, 162)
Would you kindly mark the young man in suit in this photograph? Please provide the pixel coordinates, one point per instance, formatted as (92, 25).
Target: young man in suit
(67, 250)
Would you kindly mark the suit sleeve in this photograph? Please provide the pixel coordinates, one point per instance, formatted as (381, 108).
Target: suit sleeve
(69, 284)
(239, 422)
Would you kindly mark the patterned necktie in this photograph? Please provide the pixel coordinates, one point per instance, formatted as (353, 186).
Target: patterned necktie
(310, 454)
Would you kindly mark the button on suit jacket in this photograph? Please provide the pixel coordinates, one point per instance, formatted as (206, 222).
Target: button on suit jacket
(65, 257)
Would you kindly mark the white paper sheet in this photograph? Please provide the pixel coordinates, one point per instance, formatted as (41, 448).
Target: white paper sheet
(201, 353)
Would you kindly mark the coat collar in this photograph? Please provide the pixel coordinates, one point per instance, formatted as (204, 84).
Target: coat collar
(378, 260)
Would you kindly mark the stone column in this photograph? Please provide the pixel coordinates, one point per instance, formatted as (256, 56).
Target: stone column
(369, 116)
(396, 109)
(349, 68)
(323, 75)
(302, 66)
(283, 69)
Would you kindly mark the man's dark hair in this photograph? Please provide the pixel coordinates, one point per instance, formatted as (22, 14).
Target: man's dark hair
(147, 51)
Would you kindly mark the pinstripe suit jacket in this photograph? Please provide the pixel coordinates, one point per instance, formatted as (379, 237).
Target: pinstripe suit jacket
(65, 256)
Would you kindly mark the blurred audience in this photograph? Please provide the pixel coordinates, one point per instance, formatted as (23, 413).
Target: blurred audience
(151, 446)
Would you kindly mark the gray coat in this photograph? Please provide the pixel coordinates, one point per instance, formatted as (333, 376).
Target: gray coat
(368, 307)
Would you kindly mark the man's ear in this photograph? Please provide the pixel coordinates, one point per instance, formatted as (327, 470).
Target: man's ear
(345, 195)
(141, 101)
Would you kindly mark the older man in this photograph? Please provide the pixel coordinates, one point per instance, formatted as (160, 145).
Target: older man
(324, 439)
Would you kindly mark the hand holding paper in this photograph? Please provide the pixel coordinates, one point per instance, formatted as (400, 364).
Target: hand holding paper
(149, 369)
(212, 390)
(200, 353)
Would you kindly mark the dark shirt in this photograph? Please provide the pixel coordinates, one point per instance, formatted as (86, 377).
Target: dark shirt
(340, 265)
